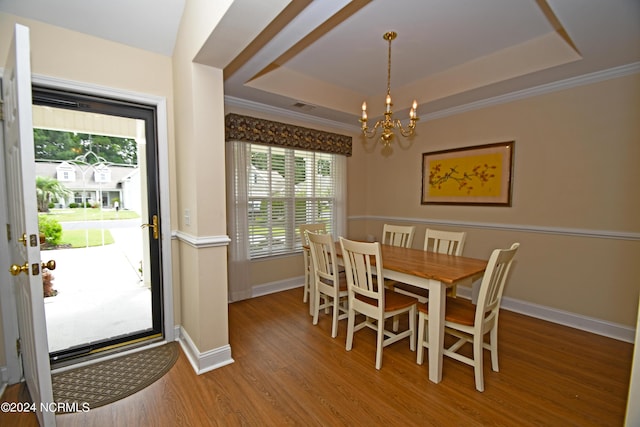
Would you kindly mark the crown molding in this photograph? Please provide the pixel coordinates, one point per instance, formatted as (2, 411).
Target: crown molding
(585, 79)
(591, 78)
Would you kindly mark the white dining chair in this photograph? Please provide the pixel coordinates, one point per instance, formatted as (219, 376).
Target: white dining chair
(329, 285)
(398, 235)
(470, 323)
(314, 228)
(363, 269)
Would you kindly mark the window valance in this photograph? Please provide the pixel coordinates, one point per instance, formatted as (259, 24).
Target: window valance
(251, 129)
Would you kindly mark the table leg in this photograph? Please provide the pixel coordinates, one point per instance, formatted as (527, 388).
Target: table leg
(437, 301)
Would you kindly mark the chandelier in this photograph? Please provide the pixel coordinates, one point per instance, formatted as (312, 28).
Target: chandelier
(388, 124)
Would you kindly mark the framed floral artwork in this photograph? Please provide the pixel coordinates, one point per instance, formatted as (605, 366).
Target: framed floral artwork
(478, 175)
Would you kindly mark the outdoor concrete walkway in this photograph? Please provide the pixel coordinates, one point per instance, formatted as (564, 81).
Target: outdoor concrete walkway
(100, 292)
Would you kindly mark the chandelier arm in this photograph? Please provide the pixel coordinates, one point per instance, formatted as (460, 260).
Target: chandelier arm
(371, 132)
(409, 130)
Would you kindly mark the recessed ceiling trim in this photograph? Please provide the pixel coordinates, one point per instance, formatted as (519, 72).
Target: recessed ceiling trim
(281, 21)
(547, 51)
(591, 78)
(555, 23)
(319, 31)
(586, 79)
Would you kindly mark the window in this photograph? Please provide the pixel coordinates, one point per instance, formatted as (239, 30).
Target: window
(102, 174)
(65, 172)
(277, 189)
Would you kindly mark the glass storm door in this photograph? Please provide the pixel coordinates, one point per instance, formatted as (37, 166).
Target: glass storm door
(97, 177)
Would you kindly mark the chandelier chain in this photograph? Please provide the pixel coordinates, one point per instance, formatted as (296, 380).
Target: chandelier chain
(390, 37)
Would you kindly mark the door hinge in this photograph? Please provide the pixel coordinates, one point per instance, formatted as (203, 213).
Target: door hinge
(18, 347)
(1, 110)
(9, 232)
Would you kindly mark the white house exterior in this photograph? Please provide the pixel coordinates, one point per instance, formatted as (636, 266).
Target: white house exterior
(95, 184)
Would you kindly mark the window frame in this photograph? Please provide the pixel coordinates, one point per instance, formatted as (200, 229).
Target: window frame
(288, 200)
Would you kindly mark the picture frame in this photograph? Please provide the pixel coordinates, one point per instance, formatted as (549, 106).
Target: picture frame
(479, 175)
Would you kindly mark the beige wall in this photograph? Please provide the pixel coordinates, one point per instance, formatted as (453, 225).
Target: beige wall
(200, 180)
(574, 188)
(576, 156)
(575, 178)
(574, 191)
(72, 56)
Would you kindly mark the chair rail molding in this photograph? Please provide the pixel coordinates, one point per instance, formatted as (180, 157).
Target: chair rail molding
(565, 231)
(201, 241)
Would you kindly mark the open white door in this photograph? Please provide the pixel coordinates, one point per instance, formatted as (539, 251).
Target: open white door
(24, 245)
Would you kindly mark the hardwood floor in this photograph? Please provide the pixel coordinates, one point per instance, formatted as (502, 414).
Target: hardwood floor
(288, 371)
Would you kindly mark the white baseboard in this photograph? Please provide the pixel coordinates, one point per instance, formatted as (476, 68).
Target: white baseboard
(577, 321)
(272, 287)
(207, 361)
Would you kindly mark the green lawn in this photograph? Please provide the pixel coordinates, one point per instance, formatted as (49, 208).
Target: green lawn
(78, 238)
(89, 214)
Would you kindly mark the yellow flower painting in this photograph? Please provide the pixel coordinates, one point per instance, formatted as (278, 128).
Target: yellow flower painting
(470, 175)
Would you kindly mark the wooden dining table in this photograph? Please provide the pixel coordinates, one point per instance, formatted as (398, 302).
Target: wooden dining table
(435, 272)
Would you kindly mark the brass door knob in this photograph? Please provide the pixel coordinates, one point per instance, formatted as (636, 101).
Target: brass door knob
(16, 269)
(51, 264)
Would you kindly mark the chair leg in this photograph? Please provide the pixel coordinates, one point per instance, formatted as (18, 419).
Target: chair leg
(412, 327)
(305, 293)
(396, 323)
(316, 306)
(380, 342)
(452, 291)
(477, 362)
(336, 314)
(350, 327)
(493, 341)
(422, 339)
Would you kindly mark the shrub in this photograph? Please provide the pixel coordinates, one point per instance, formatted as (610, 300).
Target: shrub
(51, 229)
(73, 205)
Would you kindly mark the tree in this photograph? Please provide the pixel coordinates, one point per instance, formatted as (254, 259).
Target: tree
(113, 150)
(54, 145)
(48, 190)
(58, 145)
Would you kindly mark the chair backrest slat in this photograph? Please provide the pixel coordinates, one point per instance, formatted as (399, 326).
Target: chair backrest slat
(314, 228)
(362, 266)
(444, 242)
(323, 254)
(492, 285)
(398, 235)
